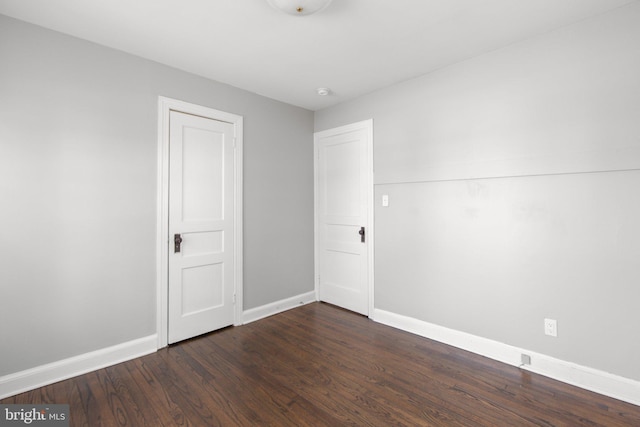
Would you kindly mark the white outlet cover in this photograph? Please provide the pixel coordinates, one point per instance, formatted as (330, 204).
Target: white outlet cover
(385, 200)
(551, 327)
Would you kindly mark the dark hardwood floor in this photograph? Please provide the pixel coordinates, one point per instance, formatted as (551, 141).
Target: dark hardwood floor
(318, 365)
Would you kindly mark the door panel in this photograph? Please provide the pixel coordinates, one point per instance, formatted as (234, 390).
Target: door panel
(203, 243)
(202, 162)
(201, 282)
(202, 288)
(343, 187)
(341, 172)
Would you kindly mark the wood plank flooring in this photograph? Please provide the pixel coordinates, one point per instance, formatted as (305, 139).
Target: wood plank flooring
(318, 365)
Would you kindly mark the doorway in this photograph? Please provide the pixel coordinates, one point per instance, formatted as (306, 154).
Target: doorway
(199, 246)
(344, 216)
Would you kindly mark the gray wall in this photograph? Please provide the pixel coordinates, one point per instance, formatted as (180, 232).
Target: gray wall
(78, 165)
(513, 182)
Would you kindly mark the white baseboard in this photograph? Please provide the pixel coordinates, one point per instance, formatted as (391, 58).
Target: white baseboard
(591, 379)
(50, 373)
(601, 382)
(267, 310)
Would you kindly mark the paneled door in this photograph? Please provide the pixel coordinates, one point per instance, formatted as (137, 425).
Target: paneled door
(201, 225)
(344, 187)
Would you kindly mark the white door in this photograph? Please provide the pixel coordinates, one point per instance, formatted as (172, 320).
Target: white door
(344, 216)
(201, 225)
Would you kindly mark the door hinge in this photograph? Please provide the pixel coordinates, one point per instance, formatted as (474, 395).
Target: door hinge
(234, 298)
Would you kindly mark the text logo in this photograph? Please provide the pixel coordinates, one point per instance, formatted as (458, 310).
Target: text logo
(34, 415)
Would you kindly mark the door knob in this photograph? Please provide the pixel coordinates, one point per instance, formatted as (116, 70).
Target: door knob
(361, 233)
(177, 240)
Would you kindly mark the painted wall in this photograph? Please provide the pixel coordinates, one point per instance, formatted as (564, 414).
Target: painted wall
(513, 182)
(78, 167)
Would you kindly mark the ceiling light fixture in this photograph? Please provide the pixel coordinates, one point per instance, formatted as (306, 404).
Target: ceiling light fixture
(299, 7)
(323, 91)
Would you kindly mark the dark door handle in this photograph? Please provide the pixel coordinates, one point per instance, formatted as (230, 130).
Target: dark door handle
(177, 240)
(361, 233)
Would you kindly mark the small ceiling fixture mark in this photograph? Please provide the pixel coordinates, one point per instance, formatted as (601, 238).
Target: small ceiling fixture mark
(299, 7)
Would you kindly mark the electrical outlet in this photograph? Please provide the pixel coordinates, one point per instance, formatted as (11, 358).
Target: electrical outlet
(525, 359)
(551, 327)
(385, 200)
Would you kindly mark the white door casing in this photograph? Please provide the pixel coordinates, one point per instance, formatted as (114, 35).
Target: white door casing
(343, 206)
(200, 172)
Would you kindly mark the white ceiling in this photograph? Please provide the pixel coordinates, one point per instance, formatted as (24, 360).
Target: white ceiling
(353, 47)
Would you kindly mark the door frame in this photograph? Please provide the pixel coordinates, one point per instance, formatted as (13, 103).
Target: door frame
(165, 106)
(366, 125)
